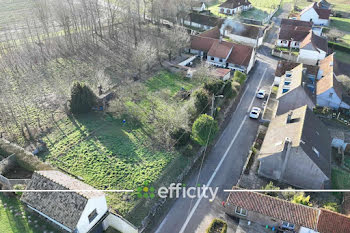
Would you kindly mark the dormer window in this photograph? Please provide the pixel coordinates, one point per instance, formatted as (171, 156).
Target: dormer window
(316, 151)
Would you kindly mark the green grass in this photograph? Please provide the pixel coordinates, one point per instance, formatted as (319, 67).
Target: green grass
(340, 179)
(260, 11)
(14, 11)
(342, 56)
(15, 219)
(109, 154)
(343, 25)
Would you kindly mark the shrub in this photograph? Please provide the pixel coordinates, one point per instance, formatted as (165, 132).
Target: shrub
(239, 77)
(188, 151)
(299, 198)
(214, 86)
(217, 226)
(181, 136)
(332, 206)
(201, 101)
(271, 186)
(204, 129)
(19, 187)
(82, 98)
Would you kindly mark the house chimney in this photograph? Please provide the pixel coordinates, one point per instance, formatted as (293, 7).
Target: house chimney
(289, 118)
(220, 40)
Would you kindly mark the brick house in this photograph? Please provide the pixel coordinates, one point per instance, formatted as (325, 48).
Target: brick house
(284, 215)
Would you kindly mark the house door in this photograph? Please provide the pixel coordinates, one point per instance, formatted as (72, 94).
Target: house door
(205, 55)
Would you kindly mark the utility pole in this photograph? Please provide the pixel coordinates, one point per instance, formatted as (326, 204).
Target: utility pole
(213, 102)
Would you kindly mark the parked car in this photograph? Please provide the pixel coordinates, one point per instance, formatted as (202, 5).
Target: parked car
(255, 113)
(261, 94)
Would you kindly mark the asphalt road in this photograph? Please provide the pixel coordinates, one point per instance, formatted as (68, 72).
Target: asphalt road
(223, 165)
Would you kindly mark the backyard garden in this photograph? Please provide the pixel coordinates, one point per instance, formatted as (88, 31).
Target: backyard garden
(14, 218)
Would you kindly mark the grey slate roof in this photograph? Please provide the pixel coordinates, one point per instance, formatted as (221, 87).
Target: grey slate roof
(205, 19)
(64, 207)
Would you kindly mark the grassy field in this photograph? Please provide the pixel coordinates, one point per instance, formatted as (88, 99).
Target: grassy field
(343, 25)
(338, 5)
(340, 179)
(260, 11)
(342, 56)
(14, 11)
(15, 219)
(110, 154)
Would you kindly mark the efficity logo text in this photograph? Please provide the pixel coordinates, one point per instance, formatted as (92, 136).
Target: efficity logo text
(177, 190)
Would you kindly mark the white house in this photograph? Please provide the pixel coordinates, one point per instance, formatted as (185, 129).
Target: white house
(329, 91)
(202, 21)
(212, 48)
(198, 6)
(312, 49)
(292, 33)
(76, 211)
(316, 15)
(231, 7)
(243, 33)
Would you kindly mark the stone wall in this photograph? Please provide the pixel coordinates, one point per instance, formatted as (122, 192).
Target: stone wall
(23, 157)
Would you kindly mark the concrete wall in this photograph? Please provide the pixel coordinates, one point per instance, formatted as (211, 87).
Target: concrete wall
(245, 40)
(119, 224)
(197, 25)
(287, 44)
(311, 55)
(24, 158)
(330, 99)
(216, 61)
(311, 14)
(100, 204)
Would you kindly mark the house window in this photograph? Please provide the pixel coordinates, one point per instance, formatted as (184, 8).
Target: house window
(228, 11)
(220, 60)
(92, 215)
(286, 83)
(285, 90)
(212, 58)
(241, 211)
(330, 95)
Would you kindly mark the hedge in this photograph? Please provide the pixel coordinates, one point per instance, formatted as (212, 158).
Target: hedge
(215, 224)
(338, 46)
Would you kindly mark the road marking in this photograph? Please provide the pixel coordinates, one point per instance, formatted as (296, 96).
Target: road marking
(218, 166)
(256, 91)
(161, 225)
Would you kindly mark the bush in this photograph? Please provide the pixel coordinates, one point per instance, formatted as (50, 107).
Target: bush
(214, 86)
(332, 206)
(239, 77)
(204, 129)
(216, 225)
(188, 151)
(299, 198)
(201, 101)
(19, 187)
(271, 186)
(181, 136)
(82, 98)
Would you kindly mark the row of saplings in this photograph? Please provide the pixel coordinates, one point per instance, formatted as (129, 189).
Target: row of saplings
(205, 126)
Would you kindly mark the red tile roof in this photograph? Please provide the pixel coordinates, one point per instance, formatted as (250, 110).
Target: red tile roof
(331, 222)
(318, 42)
(212, 33)
(221, 72)
(321, 220)
(201, 43)
(240, 55)
(220, 49)
(322, 13)
(274, 207)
